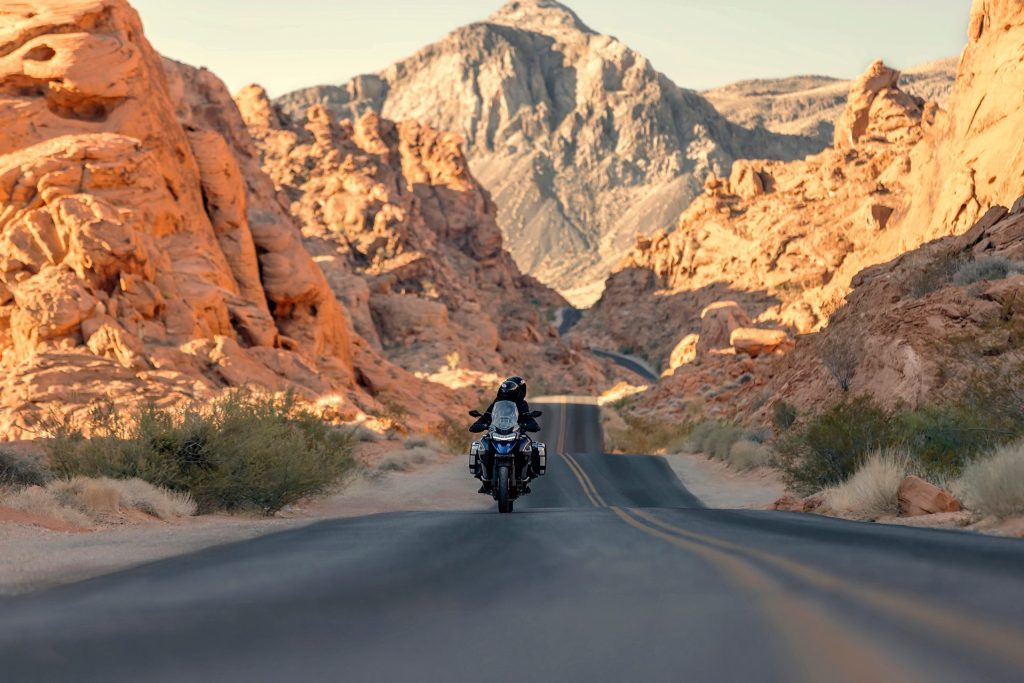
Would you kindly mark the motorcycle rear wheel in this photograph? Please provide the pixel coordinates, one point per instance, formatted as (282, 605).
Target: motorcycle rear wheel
(504, 498)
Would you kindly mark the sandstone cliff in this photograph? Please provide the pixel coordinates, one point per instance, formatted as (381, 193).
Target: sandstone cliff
(974, 158)
(580, 139)
(409, 241)
(144, 255)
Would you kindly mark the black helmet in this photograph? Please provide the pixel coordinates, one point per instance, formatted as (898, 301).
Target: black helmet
(513, 387)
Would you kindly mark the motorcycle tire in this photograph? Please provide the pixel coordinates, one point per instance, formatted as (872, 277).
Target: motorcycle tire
(504, 497)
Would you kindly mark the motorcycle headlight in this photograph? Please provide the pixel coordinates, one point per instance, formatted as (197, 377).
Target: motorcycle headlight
(504, 437)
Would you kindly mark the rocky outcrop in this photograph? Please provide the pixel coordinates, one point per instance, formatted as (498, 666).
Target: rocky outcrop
(409, 240)
(144, 255)
(580, 140)
(968, 162)
(781, 239)
(913, 328)
(810, 106)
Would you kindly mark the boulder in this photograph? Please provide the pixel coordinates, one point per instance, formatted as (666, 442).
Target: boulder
(717, 323)
(746, 181)
(918, 497)
(684, 352)
(755, 341)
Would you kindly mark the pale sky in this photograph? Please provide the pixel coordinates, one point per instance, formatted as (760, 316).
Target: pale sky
(285, 45)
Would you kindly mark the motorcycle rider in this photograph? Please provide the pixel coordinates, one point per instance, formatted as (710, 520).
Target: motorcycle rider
(512, 389)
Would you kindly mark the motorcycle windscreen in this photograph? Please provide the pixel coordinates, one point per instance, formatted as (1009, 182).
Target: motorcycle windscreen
(504, 417)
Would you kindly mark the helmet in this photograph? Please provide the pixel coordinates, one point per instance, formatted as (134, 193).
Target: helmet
(513, 387)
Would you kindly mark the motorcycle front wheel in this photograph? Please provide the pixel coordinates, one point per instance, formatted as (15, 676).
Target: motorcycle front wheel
(504, 499)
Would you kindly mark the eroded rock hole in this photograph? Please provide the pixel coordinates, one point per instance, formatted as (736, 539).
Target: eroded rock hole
(41, 53)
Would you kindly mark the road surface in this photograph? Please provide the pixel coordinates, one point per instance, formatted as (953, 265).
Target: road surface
(610, 571)
(636, 365)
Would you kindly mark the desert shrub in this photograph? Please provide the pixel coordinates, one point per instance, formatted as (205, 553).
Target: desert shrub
(242, 451)
(942, 438)
(22, 470)
(783, 415)
(841, 355)
(647, 435)
(720, 441)
(934, 275)
(993, 484)
(360, 432)
(984, 268)
(871, 491)
(748, 455)
(830, 446)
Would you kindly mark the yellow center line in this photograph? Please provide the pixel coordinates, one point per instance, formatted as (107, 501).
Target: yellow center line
(825, 650)
(1002, 641)
(820, 644)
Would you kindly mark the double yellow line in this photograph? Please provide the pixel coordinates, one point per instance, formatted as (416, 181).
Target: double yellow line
(824, 648)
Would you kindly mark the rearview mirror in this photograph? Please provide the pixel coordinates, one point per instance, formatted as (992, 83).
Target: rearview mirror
(475, 413)
(536, 413)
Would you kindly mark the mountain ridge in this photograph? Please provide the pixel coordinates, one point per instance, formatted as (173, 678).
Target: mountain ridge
(578, 137)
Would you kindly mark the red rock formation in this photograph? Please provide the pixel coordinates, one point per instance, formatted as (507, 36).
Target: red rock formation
(144, 255)
(409, 240)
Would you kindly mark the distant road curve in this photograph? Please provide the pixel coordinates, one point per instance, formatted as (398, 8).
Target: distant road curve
(631, 363)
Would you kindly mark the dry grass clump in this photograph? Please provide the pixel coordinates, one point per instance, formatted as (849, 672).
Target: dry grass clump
(871, 491)
(40, 501)
(738, 447)
(749, 455)
(994, 484)
(83, 501)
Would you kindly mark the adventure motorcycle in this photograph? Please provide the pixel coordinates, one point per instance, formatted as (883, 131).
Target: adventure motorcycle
(507, 458)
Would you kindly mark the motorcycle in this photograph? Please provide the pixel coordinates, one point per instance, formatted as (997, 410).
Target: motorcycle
(507, 458)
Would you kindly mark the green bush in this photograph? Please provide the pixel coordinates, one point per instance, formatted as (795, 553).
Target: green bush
(18, 470)
(832, 444)
(939, 438)
(243, 451)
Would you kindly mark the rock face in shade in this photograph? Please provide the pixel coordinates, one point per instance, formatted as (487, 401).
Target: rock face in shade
(580, 139)
(409, 240)
(781, 239)
(144, 255)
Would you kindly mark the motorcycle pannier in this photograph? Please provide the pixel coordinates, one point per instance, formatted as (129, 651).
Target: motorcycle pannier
(542, 457)
(474, 458)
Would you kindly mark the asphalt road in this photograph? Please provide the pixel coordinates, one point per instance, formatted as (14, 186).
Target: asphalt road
(610, 571)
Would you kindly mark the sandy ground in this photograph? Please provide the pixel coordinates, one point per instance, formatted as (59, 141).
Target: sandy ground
(33, 558)
(719, 486)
